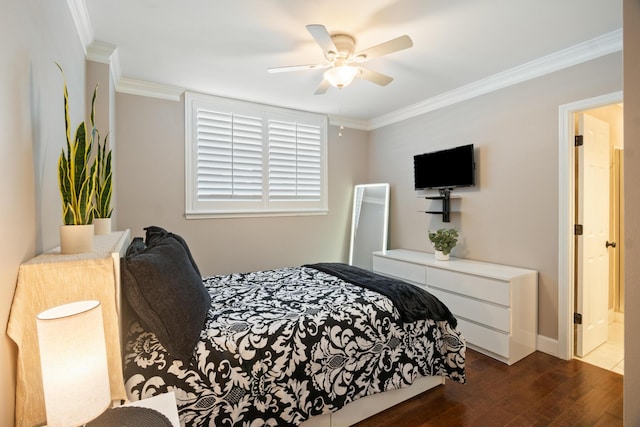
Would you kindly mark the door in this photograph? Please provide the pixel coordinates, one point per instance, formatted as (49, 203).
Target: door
(592, 262)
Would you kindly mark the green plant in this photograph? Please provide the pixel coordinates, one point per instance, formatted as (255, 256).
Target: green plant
(104, 186)
(444, 239)
(76, 177)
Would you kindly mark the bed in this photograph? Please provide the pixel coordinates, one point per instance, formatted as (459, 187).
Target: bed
(318, 344)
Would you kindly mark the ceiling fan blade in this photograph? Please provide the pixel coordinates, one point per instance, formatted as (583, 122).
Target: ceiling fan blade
(296, 68)
(390, 46)
(374, 77)
(323, 87)
(323, 38)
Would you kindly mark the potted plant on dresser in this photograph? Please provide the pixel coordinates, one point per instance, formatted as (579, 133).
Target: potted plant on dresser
(443, 241)
(77, 180)
(104, 188)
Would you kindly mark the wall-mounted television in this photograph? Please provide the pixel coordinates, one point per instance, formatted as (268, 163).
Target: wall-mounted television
(453, 167)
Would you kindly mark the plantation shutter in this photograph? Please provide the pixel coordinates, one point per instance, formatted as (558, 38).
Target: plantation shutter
(229, 153)
(246, 159)
(294, 161)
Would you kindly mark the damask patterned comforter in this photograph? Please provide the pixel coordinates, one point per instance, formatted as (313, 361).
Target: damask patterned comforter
(281, 346)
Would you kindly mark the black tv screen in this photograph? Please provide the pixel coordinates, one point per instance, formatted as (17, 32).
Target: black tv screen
(453, 167)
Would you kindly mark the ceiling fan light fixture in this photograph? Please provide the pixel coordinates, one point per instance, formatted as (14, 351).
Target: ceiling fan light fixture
(341, 76)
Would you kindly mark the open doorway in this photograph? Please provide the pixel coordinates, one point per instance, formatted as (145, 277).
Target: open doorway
(568, 215)
(599, 249)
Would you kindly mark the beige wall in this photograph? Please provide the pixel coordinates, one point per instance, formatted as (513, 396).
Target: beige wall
(33, 35)
(631, 24)
(150, 170)
(511, 215)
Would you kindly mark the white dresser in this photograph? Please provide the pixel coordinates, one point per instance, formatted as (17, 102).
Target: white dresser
(496, 305)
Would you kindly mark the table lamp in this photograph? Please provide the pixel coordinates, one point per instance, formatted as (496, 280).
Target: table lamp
(73, 358)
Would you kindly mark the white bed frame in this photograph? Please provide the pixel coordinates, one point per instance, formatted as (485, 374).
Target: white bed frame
(365, 407)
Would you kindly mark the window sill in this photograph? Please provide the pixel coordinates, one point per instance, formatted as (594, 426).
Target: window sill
(211, 215)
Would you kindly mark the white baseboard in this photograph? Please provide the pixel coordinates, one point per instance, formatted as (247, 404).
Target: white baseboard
(551, 345)
(548, 345)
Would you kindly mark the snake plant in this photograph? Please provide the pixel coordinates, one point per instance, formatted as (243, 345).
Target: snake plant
(104, 180)
(76, 176)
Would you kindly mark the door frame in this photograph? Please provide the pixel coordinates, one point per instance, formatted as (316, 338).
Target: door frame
(566, 219)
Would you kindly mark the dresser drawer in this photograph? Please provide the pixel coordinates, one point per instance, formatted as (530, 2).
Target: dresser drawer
(484, 288)
(492, 315)
(488, 339)
(399, 269)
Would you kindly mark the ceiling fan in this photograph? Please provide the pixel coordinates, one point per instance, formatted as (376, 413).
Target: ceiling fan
(343, 62)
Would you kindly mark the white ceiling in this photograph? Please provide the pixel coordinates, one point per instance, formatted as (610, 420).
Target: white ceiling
(224, 47)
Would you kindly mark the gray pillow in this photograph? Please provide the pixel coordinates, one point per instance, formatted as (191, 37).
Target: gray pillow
(167, 293)
(153, 233)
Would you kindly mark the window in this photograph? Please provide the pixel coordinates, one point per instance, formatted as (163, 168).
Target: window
(251, 159)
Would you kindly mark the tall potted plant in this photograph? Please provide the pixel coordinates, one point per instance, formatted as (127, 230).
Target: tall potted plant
(104, 187)
(76, 178)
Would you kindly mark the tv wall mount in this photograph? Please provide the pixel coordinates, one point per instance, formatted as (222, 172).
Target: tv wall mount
(445, 196)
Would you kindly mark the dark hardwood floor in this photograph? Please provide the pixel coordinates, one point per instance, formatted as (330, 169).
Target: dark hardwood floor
(540, 390)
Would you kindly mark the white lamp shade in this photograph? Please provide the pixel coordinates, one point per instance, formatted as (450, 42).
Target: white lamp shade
(341, 76)
(73, 358)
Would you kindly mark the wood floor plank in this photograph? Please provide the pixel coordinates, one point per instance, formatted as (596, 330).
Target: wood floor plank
(539, 390)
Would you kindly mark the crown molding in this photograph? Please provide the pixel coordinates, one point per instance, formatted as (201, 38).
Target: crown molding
(80, 15)
(101, 52)
(578, 54)
(106, 53)
(153, 90)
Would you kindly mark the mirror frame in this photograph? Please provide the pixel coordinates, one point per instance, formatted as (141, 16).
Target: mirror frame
(385, 231)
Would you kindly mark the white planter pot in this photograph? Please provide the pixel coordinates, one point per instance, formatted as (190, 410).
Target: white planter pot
(102, 225)
(441, 257)
(76, 239)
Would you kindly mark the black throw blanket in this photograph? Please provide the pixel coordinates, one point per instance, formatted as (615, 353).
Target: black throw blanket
(412, 302)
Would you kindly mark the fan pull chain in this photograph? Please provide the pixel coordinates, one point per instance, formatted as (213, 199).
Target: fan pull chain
(340, 112)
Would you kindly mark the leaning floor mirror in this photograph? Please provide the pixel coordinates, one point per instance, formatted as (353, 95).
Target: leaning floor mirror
(369, 223)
